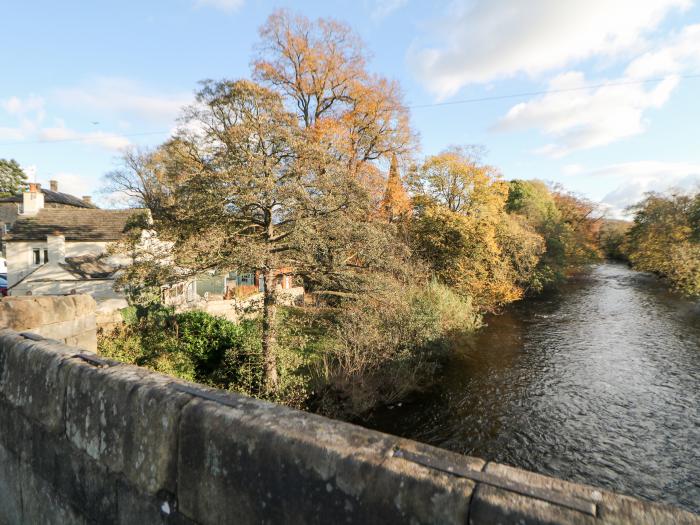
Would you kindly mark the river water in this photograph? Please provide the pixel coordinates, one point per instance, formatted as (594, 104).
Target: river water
(598, 383)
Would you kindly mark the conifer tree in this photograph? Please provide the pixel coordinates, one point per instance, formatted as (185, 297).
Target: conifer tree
(396, 204)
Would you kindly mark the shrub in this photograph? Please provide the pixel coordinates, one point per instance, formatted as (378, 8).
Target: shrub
(199, 347)
(384, 348)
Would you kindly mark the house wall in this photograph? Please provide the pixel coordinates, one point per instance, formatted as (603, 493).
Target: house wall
(20, 259)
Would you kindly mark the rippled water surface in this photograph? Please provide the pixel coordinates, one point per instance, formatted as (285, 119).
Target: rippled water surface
(599, 383)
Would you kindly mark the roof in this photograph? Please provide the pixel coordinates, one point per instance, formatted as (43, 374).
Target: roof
(89, 266)
(76, 224)
(55, 197)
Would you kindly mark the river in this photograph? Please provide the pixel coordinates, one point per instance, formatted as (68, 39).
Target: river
(598, 383)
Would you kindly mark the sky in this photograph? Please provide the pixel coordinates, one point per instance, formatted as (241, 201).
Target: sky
(602, 96)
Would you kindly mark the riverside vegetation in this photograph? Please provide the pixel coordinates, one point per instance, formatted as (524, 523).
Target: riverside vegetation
(284, 171)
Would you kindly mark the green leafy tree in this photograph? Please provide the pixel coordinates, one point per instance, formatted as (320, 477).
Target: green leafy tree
(569, 225)
(12, 178)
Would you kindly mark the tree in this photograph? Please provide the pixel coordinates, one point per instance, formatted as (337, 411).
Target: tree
(463, 231)
(612, 238)
(247, 191)
(457, 180)
(12, 177)
(396, 205)
(320, 69)
(568, 224)
(665, 239)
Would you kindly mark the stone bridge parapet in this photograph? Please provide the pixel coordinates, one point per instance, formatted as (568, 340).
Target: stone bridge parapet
(87, 440)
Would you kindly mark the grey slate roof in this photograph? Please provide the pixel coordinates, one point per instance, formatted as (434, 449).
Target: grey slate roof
(76, 224)
(55, 197)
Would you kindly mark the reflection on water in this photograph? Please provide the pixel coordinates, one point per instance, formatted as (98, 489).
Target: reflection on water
(599, 384)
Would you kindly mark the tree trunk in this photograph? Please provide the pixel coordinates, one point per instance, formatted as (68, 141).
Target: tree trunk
(268, 331)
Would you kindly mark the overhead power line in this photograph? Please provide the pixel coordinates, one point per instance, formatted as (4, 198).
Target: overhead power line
(550, 91)
(413, 106)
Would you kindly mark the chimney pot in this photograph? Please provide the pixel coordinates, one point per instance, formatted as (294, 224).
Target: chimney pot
(32, 200)
(87, 199)
(54, 185)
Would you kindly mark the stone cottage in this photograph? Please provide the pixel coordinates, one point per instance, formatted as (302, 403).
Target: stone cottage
(62, 249)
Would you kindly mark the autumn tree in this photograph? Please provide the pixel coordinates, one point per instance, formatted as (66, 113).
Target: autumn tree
(12, 177)
(320, 68)
(665, 239)
(246, 191)
(463, 231)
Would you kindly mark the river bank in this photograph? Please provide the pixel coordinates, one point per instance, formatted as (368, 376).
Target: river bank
(597, 383)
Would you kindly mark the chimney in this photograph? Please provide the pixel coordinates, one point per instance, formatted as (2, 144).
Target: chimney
(56, 245)
(32, 199)
(54, 185)
(87, 198)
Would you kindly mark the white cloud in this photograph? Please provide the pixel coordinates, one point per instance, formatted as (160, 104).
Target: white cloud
(482, 40)
(677, 53)
(120, 97)
(11, 134)
(73, 183)
(107, 141)
(28, 112)
(640, 177)
(20, 107)
(572, 169)
(224, 5)
(384, 8)
(118, 100)
(582, 118)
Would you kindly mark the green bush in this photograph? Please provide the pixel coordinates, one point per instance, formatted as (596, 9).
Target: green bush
(199, 347)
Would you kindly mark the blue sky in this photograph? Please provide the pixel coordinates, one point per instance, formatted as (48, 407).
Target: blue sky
(81, 80)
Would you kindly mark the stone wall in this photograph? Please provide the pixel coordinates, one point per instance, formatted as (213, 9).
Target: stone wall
(68, 318)
(85, 440)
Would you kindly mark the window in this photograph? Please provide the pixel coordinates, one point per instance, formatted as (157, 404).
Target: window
(46, 256)
(37, 256)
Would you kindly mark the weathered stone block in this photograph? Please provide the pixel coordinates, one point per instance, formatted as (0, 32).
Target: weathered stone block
(610, 507)
(62, 330)
(491, 505)
(125, 418)
(268, 464)
(153, 415)
(95, 414)
(15, 431)
(85, 340)
(84, 483)
(42, 504)
(19, 313)
(32, 379)
(10, 492)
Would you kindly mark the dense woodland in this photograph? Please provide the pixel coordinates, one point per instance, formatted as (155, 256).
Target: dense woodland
(313, 165)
